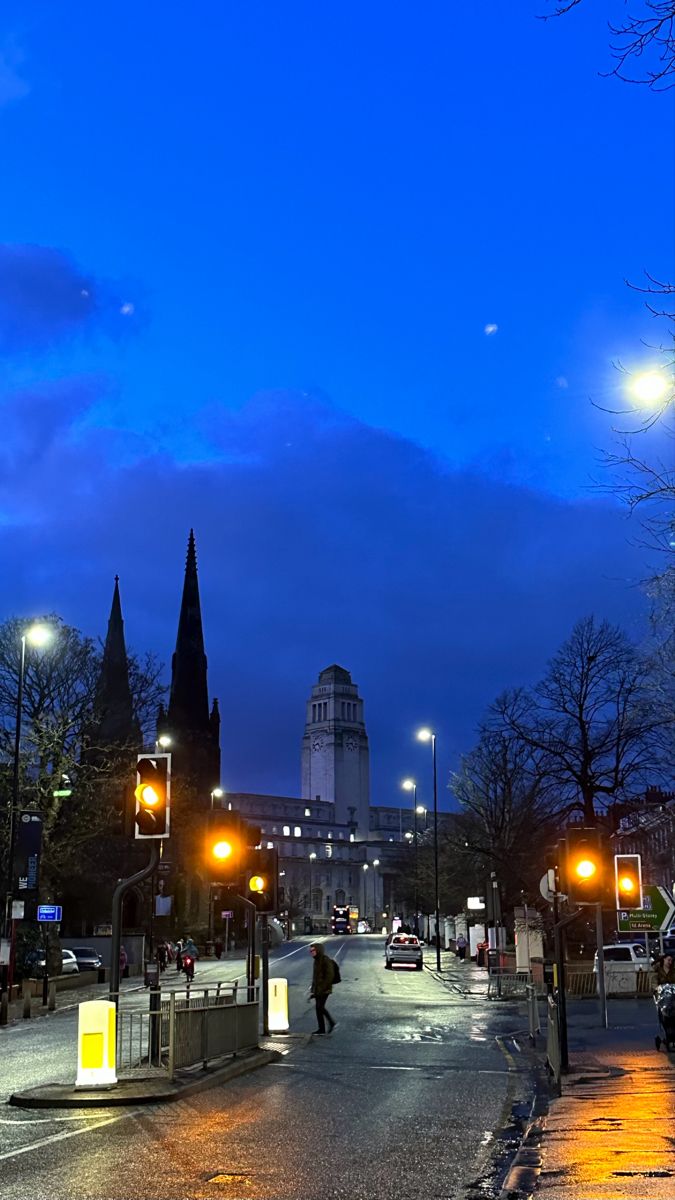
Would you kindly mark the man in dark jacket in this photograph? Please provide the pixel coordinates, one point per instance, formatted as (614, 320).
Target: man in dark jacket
(322, 986)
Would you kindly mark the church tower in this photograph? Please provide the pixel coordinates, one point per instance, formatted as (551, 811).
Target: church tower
(116, 725)
(335, 756)
(194, 731)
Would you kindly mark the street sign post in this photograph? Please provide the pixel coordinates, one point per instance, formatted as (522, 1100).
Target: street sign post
(657, 915)
(49, 912)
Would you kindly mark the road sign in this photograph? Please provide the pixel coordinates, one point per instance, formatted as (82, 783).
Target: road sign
(227, 916)
(657, 915)
(49, 912)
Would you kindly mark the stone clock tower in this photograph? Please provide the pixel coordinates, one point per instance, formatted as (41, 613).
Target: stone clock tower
(335, 759)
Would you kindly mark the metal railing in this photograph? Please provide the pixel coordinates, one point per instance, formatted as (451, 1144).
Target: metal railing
(508, 985)
(185, 1028)
(532, 1012)
(553, 1056)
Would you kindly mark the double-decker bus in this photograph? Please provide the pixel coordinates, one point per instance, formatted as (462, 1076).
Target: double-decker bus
(339, 921)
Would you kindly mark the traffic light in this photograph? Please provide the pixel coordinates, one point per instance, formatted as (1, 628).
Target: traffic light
(628, 880)
(586, 869)
(224, 847)
(153, 796)
(261, 879)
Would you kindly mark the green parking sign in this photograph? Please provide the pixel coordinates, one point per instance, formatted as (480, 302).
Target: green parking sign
(656, 916)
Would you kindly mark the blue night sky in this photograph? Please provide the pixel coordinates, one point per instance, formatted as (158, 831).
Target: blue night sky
(335, 285)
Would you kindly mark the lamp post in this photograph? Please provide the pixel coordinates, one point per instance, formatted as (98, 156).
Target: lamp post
(427, 735)
(36, 635)
(411, 786)
(312, 859)
(376, 863)
(365, 893)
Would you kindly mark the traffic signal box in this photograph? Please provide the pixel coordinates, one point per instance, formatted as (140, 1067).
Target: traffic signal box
(261, 879)
(153, 796)
(628, 880)
(586, 870)
(229, 842)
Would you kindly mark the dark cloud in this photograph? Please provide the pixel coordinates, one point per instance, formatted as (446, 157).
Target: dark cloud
(45, 297)
(321, 539)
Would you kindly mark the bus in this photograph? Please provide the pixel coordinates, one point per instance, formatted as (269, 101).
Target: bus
(339, 922)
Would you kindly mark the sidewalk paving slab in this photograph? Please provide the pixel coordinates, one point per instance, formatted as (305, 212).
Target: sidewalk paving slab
(611, 1135)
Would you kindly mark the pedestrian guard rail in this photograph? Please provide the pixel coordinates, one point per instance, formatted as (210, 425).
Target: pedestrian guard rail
(186, 1027)
(512, 985)
(553, 1055)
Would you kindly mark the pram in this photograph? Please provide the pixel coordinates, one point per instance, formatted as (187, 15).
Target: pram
(664, 999)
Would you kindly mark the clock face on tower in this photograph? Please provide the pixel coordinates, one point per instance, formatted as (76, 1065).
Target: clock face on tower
(317, 744)
(351, 743)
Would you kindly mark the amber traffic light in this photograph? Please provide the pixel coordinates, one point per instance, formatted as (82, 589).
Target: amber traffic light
(223, 847)
(153, 795)
(262, 877)
(628, 880)
(586, 870)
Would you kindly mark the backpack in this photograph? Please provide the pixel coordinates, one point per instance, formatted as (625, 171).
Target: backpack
(337, 978)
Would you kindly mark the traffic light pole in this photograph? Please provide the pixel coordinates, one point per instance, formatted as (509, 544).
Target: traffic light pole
(265, 947)
(118, 897)
(602, 990)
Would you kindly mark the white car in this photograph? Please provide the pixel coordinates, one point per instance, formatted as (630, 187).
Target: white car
(69, 965)
(403, 948)
(627, 956)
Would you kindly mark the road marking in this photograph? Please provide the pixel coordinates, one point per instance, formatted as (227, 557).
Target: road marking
(59, 1137)
(47, 1120)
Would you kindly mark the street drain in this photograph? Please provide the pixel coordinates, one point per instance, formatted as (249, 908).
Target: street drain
(229, 1177)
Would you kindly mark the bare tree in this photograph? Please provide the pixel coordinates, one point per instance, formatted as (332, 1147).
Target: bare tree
(596, 719)
(643, 43)
(63, 774)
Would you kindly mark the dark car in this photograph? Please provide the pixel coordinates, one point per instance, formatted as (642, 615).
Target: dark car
(88, 959)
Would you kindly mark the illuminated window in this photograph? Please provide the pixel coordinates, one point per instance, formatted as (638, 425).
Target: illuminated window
(308, 812)
(287, 831)
(329, 850)
(297, 831)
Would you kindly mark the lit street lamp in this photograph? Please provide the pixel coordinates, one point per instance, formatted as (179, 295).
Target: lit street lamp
(36, 635)
(427, 735)
(376, 863)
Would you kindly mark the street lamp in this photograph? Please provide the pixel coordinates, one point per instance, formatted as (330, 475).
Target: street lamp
(427, 735)
(365, 894)
(376, 863)
(216, 794)
(410, 786)
(36, 635)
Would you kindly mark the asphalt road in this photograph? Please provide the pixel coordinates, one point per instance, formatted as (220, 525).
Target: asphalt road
(406, 1098)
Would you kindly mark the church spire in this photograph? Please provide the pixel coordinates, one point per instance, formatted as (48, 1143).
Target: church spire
(189, 698)
(116, 725)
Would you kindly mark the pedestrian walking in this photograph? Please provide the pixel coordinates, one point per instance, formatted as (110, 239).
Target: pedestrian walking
(123, 961)
(322, 986)
(161, 956)
(461, 945)
(179, 955)
(664, 970)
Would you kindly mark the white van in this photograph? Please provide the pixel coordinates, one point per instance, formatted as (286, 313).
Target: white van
(624, 956)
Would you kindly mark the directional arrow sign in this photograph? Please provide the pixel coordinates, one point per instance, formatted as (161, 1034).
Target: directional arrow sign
(657, 915)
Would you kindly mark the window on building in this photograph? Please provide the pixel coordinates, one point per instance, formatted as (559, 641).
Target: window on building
(351, 837)
(329, 850)
(314, 712)
(287, 831)
(274, 829)
(330, 834)
(318, 797)
(325, 711)
(270, 845)
(297, 831)
(343, 710)
(308, 812)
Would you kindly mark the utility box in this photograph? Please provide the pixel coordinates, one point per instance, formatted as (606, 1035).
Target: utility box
(96, 1044)
(277, 1012)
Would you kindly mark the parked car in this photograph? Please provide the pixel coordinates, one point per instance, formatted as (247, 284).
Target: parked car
(35, 962)
(627, 957)
(403, 948)
(88, 959)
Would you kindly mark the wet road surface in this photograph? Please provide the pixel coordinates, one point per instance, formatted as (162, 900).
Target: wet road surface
(404, 1099)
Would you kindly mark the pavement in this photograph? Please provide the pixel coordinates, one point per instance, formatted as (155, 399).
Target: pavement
(609, 1136)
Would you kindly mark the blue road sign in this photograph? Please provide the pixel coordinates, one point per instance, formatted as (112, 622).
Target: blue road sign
(49, 912)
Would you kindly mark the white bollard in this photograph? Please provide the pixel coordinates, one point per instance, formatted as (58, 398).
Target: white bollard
(277, 1014)
(96, 1044)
